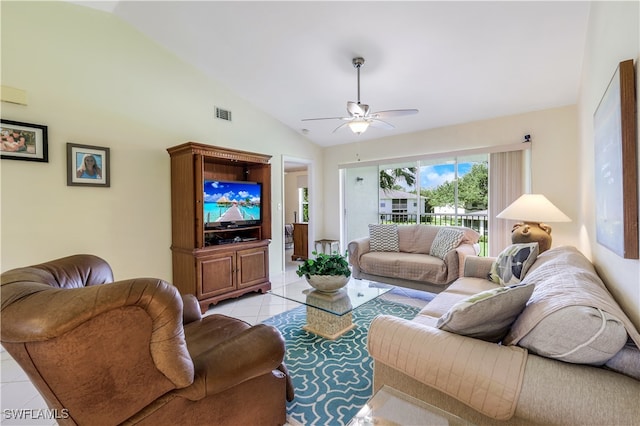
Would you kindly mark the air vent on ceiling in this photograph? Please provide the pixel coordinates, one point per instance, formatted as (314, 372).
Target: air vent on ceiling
(223, 114)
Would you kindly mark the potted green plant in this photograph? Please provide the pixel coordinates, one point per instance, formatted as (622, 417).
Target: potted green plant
(327, 272)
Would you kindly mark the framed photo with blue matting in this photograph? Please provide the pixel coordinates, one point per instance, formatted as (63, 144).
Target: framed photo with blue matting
(87, 165)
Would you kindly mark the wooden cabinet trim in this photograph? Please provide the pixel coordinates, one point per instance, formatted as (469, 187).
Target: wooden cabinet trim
(219, 152)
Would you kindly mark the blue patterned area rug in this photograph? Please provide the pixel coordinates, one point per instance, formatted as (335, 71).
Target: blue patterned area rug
(332, 379)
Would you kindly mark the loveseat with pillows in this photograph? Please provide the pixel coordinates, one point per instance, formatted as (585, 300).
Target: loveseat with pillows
(521, 339)
(423, 257)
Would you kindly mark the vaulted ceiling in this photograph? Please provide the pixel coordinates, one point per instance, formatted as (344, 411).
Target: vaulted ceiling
(455, 61)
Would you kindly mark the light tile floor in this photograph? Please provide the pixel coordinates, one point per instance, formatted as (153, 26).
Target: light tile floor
(22, 405)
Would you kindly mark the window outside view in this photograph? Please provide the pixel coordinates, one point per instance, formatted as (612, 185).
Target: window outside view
(303, 204)
(451, 192)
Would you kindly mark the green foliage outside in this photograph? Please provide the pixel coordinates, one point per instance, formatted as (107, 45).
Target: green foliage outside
(473, 187)
(389, 178)
(473, 191)
(305, 205)
(484, 246)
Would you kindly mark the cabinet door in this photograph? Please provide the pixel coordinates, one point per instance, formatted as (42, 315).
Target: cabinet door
(216, 274)
(253, 266)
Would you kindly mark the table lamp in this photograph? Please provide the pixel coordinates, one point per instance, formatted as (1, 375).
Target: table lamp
(531, 210)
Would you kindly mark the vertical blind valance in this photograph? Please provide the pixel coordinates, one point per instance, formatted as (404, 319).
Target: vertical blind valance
(506, 184)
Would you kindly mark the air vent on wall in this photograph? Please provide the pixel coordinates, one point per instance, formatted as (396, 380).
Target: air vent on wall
(223, 114)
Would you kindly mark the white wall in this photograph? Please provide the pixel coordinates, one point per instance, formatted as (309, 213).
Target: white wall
(555, 163)
(613, 36)
(93, 80)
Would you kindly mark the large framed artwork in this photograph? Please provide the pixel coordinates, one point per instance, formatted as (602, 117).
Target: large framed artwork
(23, 141)
(616, 164)
(87, 165)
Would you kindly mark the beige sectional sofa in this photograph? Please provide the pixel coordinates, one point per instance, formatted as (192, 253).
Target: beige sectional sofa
(570, 357)
(424, 257)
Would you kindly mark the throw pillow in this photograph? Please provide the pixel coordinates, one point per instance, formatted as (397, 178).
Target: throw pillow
(487, 315)
(383, 238)
(571, 316)
(513, 263)
(446, 240)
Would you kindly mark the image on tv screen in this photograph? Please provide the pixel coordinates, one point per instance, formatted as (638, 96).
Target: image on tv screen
(231, 201)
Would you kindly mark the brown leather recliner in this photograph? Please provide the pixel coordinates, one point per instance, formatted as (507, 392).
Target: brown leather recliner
(126, 352)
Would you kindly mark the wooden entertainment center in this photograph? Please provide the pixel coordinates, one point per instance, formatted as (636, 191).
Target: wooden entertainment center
(221, 262)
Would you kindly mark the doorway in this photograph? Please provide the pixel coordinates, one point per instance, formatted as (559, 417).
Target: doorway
(296, 202)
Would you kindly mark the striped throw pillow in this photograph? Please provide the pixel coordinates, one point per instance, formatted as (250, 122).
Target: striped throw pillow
(383, 238)
(446, 240)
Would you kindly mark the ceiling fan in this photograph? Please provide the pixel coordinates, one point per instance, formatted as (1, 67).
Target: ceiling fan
(360, 118)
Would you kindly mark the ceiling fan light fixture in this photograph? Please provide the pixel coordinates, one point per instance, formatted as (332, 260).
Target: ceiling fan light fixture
(359, 126)
(360, 117)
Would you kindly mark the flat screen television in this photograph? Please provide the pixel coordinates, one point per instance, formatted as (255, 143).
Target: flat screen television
(229, 204)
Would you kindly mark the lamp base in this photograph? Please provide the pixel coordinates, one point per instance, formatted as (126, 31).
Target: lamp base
(531, 232)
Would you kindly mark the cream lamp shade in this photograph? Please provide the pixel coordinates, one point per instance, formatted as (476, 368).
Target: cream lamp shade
(532, 210)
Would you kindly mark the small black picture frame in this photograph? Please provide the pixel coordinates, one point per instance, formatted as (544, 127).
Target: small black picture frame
(23, 141)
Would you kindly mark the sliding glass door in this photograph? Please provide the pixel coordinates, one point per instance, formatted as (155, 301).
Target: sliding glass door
(360, 201)
(443, 191)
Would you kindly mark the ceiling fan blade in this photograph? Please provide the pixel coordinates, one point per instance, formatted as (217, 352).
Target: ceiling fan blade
(340, 127)
(381, 124)
(360, 116)
(326, 118)
(393, 113)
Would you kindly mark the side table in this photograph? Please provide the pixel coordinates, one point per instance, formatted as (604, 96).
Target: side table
(324, 243)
